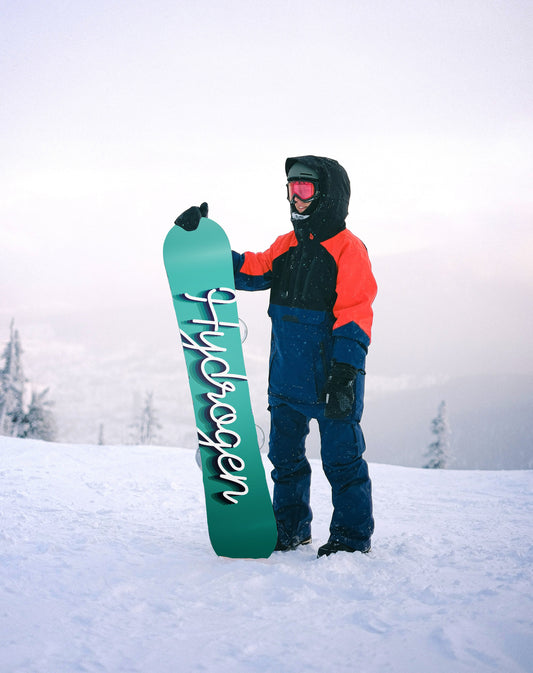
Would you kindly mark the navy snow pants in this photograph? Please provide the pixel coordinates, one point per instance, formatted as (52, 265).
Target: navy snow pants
(342, 446)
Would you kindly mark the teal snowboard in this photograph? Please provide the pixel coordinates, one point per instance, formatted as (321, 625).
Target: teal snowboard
(200, 273)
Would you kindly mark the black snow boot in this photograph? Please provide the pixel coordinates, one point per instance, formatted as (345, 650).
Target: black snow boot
(333, 546)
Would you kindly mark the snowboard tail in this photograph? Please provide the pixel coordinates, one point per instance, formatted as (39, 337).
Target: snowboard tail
(239, 511)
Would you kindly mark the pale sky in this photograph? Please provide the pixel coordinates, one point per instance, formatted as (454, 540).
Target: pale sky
(116, 116)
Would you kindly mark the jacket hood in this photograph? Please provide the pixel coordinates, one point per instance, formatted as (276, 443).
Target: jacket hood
(329, 216)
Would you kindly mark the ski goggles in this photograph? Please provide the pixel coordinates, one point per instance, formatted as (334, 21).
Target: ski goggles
(304, 190)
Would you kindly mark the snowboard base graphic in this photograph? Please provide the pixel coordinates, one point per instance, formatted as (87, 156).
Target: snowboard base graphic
(239, 510)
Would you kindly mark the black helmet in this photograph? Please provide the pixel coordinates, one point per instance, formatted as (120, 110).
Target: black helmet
(299, 171)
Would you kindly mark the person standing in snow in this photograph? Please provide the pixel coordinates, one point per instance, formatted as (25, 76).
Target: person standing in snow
(321, 293)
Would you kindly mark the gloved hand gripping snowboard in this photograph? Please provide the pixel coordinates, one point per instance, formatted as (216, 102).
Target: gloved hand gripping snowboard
(190, 218)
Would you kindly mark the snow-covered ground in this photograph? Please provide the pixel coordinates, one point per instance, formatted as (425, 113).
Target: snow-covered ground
(105, 566)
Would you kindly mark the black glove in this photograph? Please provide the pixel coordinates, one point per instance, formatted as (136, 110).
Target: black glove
(190, 219)
(339, 391)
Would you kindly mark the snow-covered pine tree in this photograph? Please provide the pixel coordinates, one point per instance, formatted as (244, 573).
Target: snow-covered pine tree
(38, 421)
(17, 418)
(438, 453)
(12, 383)
(147, 424)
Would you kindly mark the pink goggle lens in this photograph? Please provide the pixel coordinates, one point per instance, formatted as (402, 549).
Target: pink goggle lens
(303, 190)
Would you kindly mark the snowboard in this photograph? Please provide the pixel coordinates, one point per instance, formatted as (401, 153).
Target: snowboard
(239, 510)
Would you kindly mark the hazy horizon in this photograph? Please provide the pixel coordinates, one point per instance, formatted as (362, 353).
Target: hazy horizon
(115, 118)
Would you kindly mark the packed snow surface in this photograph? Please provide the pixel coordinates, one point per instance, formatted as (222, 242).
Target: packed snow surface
(105, 565)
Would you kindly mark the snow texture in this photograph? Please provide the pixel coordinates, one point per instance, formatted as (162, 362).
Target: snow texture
(105, 565)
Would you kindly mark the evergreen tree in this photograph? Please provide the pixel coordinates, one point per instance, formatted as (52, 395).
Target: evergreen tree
(18, 419)
(12, 383)
(438, 453)
(147, 423)
(38, 421)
